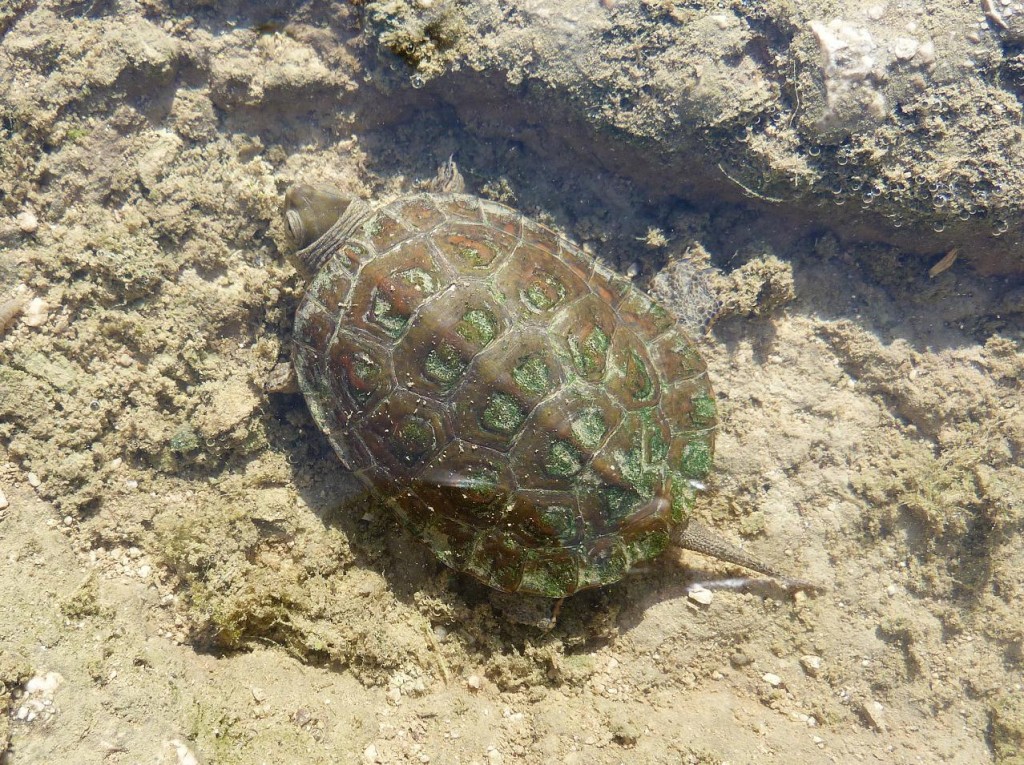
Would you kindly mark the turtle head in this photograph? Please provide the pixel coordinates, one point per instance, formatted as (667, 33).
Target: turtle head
(309, 211)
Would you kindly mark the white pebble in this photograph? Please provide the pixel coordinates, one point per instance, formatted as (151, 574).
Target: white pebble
(773, 680)
(4, 504)
(370, 754)
(474, 682)
(27, 222)
(145, 570)
(35, 313)
(701, 595)
(33, 480)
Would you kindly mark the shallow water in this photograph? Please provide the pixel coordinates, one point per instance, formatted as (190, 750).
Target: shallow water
(183, 549)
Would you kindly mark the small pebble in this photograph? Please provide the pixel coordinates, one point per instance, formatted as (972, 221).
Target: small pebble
(773, 680)
(27, 222)
(35, 313)
(33, 481)
(68, 520)
(474, 683)
(739, 659)
(874, 715)
(811, 664)
(701, 595)
(370, 754)
(4, 504)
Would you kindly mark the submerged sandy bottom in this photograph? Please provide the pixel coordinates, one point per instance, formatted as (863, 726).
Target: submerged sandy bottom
(181, 574)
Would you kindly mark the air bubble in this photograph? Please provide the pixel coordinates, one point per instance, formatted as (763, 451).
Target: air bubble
(417, 81)
(814, 151)
(938, 227)
(1000, 227)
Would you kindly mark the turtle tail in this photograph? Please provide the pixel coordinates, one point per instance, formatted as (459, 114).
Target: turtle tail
(699, 538)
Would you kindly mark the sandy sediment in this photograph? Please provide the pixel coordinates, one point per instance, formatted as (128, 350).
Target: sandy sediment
(187, 570)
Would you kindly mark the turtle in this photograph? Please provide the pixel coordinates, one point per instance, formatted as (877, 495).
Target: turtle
(533, 417)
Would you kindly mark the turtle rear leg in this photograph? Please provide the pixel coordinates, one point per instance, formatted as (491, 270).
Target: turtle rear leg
(448, 179)
(699, 538)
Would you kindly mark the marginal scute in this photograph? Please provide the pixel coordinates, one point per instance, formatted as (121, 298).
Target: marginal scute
(535, 419)
(386, 230)
(418, 213)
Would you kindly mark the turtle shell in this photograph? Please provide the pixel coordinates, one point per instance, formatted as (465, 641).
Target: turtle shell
(533, 417)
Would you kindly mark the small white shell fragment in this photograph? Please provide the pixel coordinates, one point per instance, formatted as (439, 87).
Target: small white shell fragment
(33, 480)
(773, 680)
(27, 222)
(35, 313)
(701, 595)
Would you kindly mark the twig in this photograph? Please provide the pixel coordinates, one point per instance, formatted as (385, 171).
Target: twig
(749, 190)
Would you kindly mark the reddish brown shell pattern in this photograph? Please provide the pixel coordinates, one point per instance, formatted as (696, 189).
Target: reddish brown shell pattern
(534, 418)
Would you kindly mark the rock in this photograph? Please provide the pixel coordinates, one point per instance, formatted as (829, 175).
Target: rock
(35, 313)
(874, 715)
(811, 665)
(772, 679)
(27, 222)
(701, 595)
